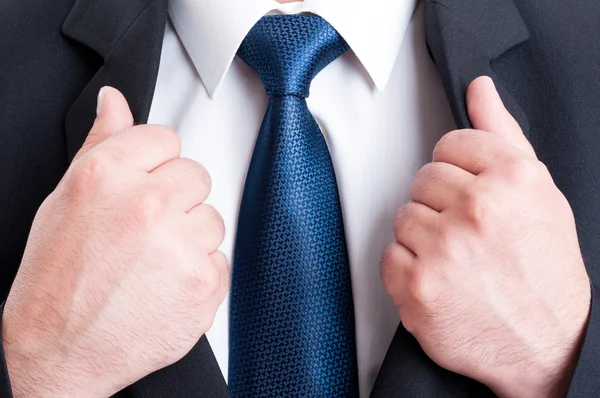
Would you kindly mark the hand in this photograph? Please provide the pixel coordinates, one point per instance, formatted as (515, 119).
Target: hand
(487, 272)
(120, 276)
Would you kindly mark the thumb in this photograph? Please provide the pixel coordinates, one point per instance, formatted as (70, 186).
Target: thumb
(487, 113)
(113, 116)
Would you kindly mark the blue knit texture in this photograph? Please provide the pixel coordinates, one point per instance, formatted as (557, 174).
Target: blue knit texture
(292, 316)
(288, 51)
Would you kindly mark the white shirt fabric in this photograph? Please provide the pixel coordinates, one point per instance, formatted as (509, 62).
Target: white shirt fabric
(381, 108)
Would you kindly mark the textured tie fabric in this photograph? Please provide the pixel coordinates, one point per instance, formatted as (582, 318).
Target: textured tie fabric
(292, 315)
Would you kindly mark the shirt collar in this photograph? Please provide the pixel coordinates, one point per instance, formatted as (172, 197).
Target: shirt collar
(212, 30)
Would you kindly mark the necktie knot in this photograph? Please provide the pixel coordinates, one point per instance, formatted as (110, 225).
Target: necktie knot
(288, 51)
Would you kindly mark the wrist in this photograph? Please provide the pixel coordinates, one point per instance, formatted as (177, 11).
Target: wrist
(28, 378)
(525, 382)
(546, 372)
(31, 373)
(35, 370)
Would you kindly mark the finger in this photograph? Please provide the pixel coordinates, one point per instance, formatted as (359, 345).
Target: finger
(439, 185)
(206, 225)
(414, 227)
(143, 147)
(187, 182)
(488, 113)
(395, 263)
(220, 261)
(476, 151)
(113, 116)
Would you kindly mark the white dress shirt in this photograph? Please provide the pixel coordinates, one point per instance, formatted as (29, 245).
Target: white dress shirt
(381, 107)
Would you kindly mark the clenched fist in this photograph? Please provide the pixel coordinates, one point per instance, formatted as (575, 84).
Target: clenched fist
(121, 275)
(487, 272)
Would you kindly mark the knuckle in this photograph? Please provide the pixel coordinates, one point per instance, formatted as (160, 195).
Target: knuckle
(90, 176)
(94, 167)
(478, 206)
(150, 204)
(207, 282)
(423, 288)
(519, 170)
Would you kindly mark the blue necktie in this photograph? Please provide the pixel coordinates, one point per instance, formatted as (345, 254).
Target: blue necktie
(292, 316)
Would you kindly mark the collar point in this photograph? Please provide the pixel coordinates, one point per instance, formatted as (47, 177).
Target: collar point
(380, 84)
(380, 80)
(211, 91)
(212, 84)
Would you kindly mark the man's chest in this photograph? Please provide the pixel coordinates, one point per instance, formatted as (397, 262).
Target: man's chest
(377, 140)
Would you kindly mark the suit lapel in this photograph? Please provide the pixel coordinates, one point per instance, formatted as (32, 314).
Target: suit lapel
(128, 35)
(464, 38)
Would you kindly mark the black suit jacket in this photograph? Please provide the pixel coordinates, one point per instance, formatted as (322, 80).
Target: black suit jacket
(544, 56)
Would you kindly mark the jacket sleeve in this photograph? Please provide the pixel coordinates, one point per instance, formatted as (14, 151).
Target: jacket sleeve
(5, 389)
(586, 379)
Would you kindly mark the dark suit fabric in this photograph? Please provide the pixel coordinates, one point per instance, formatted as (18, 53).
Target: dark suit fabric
(544, 56)
(54, 57)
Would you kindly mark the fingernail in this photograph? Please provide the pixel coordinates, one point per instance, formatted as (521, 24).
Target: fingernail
(101, 96)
